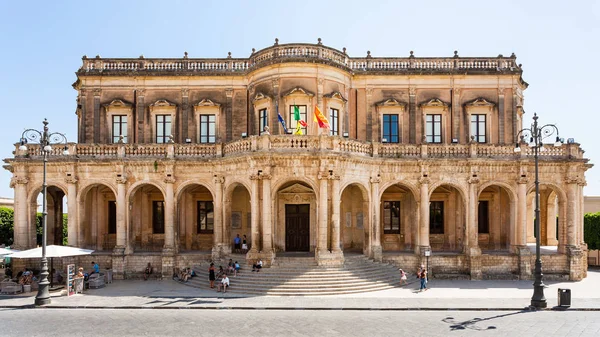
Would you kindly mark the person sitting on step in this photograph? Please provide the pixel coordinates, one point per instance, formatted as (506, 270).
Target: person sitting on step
(257, 266)
(224, 283)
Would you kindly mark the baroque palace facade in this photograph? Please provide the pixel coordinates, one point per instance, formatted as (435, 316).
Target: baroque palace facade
(172, 162)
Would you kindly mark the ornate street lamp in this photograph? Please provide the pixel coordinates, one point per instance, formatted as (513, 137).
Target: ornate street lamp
(45, 141)
(536, 134)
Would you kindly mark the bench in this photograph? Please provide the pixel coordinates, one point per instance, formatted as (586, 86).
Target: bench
(10, 287)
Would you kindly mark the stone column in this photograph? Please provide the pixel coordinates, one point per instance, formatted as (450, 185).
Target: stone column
(501, 118)
(21, 224)
(97, 93)
(473, 251)
(185, 111)
(140, 118)
(412, 115)
(169, 214)
(376, 250)
(551, 209)
(571, 211)
(72, 205)
(267, 239)
(520, 245)
(456, 113)
(121, 241)
(254, 248)
(218, 225)
(322, 227)
(335, 216)
(228, 116)
(423, 241)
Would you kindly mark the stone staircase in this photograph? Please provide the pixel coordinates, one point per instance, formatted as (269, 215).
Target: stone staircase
(297, 276)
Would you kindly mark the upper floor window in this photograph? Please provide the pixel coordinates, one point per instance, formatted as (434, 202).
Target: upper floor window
(158, 217)
(391, 217)
(206, 217)
(163, 128)
(207, 129)
(436, 217)
(119, 128)
(433, 128)
(390, 129)
(263, 120)
(293, 122)
(478, 128)
(333, 122)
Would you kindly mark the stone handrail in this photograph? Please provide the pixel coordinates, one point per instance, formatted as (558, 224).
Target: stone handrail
(301, 52)
(290, 143)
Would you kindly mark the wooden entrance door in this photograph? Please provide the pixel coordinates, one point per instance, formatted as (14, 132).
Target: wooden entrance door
(297, 228)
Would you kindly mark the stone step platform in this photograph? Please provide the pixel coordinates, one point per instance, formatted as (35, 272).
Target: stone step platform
(293, 276)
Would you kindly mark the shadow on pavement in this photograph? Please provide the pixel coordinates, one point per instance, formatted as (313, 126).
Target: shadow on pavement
(473, 324)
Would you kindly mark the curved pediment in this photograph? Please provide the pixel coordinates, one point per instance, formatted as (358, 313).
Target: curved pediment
(336, 95)
(480, 102)
(391, 102)
(162, 103)
(298, 91)
(117, 103)
(260, 96)
(435, 102)
(207, 102)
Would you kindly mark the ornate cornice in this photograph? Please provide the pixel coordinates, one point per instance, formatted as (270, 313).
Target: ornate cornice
(298, 90)
(336, 95)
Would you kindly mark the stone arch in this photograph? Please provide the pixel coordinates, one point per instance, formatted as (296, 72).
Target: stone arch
(553, 216)
(146, 217)
(97, 216)
(447, 216)
(299, 198)
(195, 209)
(84, 188)
(412, 187)
(355, 217)
(496, 227)
(399, 216)
(237, 214)
(276, 186)
(57, 193)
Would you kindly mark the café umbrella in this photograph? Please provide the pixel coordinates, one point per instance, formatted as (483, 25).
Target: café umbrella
(52, 251)
(5, 251)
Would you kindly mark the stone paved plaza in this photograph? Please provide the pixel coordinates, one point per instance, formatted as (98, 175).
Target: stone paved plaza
(118, 322)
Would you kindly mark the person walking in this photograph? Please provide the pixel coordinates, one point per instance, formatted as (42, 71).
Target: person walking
(403, 278)
(211, 275)
(237, 244)
(423, 279)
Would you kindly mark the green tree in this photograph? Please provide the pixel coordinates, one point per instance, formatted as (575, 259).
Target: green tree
(591, 230)
(38, 226)
(7, 219)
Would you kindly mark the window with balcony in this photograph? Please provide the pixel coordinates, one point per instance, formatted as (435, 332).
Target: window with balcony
(158, 217)
(390, 129)
(206, 217)
(478, 128)
(391, 217)
(208, 129)
(436, 217)
(433, 128)
(263, 120)
(293, 121)
(163, 128)
(333, 122)
(119, 128)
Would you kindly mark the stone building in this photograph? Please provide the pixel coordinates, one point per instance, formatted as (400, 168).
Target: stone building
(171, 164)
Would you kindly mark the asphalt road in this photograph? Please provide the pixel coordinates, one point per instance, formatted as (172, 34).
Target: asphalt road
(204, 322)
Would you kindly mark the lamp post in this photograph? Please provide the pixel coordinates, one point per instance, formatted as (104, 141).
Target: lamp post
(536, 135)
(45, 140)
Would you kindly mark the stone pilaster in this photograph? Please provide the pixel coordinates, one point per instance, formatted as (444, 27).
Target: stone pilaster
(120, 249)
(376, 250)
(97, 93)
(228, 115)
(525, 268)
(81, 137)
(501, 117)
(254, 203)
(21, 224)
(576, 263)
(519, 240)
(217, 250)
(423, 239)
(456, 113)
(185, 113)
(335, 210)
(472, 249)
(571, 211)
(267, 225)
(72, 225)
(412, 115)
(322, 217)
(169, 214)
(140, 117)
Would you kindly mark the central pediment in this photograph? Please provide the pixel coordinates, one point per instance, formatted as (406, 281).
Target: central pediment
(296, 188)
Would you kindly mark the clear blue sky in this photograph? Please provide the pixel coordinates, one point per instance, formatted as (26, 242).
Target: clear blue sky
(558, 43)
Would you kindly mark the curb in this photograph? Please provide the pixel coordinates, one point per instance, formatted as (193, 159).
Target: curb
(31, 306)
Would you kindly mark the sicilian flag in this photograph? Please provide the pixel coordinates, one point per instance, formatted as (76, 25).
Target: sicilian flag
(281, 120)
(298, 129)
(320, 119)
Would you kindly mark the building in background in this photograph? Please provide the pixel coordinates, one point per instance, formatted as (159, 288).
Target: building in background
(171, 163)
(6, 202)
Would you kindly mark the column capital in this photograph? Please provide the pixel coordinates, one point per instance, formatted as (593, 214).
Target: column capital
(412, 90)
(121, 179)
(522, 180)
(185, 92)
(501, 91)
(334, 177)
(229, 92)
(572, 180)
(141, 92)
(424, 180)
(254, 177)
(456, 91)
(266, 177)
(97, 92)
(18, 181)
(218, 179)
(581, 182)
(169, 180)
